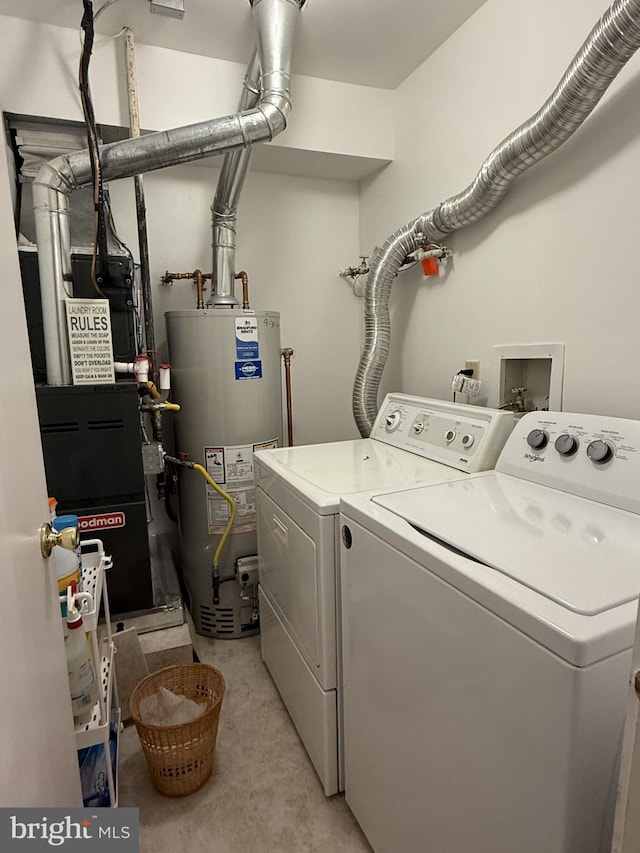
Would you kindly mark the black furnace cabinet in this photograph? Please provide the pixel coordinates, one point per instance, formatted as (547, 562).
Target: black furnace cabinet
(93, 464)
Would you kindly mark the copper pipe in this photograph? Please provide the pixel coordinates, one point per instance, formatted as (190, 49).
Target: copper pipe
(286, 353)
(200, 278)
(197, 276)
(245, 287)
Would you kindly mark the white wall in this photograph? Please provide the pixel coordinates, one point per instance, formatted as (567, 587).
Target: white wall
(294, 233)
(556, 261)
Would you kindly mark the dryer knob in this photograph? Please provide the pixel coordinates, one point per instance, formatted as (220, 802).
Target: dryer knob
(392, 420)
(537, 439)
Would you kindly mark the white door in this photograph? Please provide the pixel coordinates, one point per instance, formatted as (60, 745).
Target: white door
(37, 746)
(626, 834)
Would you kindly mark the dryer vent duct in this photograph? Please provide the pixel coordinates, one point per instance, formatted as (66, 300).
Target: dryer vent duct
(610, 45)
(275, 22)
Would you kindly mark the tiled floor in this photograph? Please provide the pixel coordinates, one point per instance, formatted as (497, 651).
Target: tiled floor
(263, 796)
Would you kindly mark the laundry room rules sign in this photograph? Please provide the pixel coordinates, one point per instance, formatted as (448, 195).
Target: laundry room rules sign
(90, 347)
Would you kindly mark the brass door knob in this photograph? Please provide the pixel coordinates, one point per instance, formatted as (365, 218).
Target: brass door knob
(68, 538)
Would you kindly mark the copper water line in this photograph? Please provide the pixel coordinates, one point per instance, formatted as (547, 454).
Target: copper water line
(245, 287)
(286, 353)
(197, 276)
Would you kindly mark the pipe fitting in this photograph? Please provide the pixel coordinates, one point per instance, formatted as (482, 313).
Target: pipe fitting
(245, 288)
(197, 276)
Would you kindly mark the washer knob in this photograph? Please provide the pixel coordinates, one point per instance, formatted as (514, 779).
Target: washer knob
(599, 451)
(566, 444)
(418, 427)
(392, 420)
(467, 440)
(449, 435)
(537, 439)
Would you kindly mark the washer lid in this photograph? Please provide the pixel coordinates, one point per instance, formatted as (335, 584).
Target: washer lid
(578, 553)
(323, 472)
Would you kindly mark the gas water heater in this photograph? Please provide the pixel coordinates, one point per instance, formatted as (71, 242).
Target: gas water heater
(226, 375)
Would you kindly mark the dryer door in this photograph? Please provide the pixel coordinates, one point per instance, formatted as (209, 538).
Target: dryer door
(297, 573)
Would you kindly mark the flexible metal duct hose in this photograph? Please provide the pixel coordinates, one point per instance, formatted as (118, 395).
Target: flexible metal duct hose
(610, 45)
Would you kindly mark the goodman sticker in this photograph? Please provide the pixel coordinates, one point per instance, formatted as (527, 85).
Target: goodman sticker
(104, 521)
(248, 369)
(247, 346)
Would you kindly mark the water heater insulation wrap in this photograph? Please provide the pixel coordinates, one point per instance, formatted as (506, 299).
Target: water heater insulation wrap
(226, 376)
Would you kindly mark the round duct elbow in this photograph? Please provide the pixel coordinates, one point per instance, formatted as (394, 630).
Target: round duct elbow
(275, 109)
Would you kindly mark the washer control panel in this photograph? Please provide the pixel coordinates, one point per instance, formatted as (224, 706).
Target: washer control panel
(465, 437)
(594, 456)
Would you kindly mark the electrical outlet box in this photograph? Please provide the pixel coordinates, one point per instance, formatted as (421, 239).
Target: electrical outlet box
(170, 8)
(152, 458)
(248, 570)
(475, 366)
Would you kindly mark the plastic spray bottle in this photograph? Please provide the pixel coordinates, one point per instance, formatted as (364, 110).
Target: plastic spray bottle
(83, 682)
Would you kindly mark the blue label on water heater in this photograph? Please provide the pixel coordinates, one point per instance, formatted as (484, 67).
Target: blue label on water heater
(246, 350)
(247, 345)
(248, 369)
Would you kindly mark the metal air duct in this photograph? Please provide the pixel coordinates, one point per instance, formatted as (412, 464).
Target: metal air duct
(275, 24)
(276, 65)
(609, 46)
(225, 204)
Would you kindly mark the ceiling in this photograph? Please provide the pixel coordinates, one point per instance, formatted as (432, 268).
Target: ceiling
(368, 42)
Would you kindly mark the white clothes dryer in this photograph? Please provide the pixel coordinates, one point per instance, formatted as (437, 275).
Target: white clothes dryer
(413, 441)
(487, 633)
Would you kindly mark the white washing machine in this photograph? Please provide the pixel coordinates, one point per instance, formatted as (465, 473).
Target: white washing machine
(413, 441)
(487, 632)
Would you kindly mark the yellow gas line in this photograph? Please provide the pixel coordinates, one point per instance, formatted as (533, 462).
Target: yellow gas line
(232, 514)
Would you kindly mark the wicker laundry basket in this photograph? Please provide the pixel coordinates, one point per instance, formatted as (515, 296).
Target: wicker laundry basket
(180, 757)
